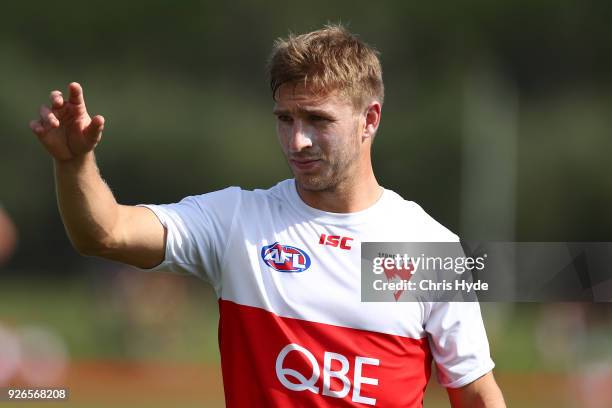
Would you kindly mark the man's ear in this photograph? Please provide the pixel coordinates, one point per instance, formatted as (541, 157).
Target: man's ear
(372, 114)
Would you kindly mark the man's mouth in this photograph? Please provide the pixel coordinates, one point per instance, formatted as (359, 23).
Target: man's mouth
(304, 164)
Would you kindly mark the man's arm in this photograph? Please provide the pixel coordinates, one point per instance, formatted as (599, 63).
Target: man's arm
(95, 222)
(481, 393)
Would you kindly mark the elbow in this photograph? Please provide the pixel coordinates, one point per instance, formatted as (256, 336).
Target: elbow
(86, 250)
(99, 248)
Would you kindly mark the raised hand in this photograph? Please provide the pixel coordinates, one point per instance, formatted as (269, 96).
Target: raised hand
(65, 128)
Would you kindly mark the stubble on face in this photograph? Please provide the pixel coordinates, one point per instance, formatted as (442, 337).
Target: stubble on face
(334, 143)
(338, 167)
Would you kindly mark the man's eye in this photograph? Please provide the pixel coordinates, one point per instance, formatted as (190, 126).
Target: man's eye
(317, 118)
(284, 118)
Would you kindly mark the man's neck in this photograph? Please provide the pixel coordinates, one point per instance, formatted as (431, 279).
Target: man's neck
(346, 197)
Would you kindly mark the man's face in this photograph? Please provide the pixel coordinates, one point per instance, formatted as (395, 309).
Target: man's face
(319, 137)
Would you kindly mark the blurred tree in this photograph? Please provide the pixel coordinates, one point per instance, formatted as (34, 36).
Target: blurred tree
(188, 108)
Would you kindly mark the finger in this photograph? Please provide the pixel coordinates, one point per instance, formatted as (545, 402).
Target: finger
(95, 128)
(37, 127)
(76, 93)
(48, 118)
(57, 99)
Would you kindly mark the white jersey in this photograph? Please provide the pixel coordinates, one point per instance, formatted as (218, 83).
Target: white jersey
(293, 330)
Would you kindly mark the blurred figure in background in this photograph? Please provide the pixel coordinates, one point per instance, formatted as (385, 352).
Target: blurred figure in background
(8, 236)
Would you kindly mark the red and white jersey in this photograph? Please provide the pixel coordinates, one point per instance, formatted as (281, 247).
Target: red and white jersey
(293, 330)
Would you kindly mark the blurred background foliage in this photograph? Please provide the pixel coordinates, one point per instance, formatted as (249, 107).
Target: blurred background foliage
(496, 120)
(183, 89)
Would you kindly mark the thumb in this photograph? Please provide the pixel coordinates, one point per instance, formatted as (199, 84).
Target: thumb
(95, 128)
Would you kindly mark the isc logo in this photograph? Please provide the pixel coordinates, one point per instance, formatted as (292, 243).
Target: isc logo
(335, 241)
(285, 258)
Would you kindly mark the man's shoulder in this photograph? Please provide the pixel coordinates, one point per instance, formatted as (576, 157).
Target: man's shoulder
(239, 200)
(237, 193)
(413, 217)
(265, 196)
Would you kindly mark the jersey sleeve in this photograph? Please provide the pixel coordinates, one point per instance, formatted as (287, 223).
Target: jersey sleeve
(458, 342)
(198, 228)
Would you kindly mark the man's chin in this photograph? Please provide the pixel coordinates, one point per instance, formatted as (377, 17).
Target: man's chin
(312, 183)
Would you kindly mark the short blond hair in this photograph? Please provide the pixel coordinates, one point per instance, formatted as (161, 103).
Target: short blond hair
(327, 60)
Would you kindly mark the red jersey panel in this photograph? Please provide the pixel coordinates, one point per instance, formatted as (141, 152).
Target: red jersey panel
(272, 361)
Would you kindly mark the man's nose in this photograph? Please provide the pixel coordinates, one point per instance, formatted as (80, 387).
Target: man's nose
(301, 137)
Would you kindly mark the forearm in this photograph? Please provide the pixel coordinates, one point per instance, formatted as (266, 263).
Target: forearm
(491, 397)
(482, 393)
(95, 223)
(87, 205)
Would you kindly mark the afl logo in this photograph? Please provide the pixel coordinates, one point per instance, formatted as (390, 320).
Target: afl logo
(285, 258)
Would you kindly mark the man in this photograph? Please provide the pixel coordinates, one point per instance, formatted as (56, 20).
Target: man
(292, 329)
